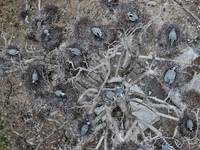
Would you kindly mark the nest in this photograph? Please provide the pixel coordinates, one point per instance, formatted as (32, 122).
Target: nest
(5, 64)
(33, 89)
(130, 145)
(67, 106)
(183, 126)
(78, 61)
(22, 144)
(110, 5)
(181, 78)
(80, 122)
(17, 57)
(122, 19)
(56, 34)
(191, 98)
(163, 36)
(23, 14)
(84, 35)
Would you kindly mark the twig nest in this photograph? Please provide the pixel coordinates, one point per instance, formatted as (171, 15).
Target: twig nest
(22, 144)
(36, 87)
(188, 126)
(84, 126)
(125, 17)
(52, 13)
(5, 65)
(93, 37)
(191, 98)
(129, 145)
(170, 36)
(171, 75)
(13, 51)
(23, 14)
(110, 4)
(66, 101)
(76, 53)
(52, 39)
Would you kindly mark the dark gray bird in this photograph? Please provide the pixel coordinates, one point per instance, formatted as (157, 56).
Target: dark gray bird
(132, 16)
(35, 77)
(39, 24)
(165, 147)
(85, 128)
(12, 52)
(170, 76)
(109, 94)
(60, 94)
(190, 124)
(172, 35)
(97, 32)
(76, 51)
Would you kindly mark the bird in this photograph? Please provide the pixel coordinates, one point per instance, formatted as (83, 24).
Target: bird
(132, 16)
(39, 24)
(109, 94)
(60, 94)
(97, 32)
(35, 77)
(172, 35)
(170, 76)
(12, 52)
(165, 147)
(48, 36)
(190, 124)
(76, 51)
(85, 128)
(119, 91)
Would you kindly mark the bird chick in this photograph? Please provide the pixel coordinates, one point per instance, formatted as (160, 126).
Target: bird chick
(35, 77)
(48, 36)
(172, 35)
(132, 16)
(97, 32)
(12, 52)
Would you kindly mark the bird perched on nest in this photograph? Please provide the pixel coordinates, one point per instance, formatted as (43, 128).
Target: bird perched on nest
(48, 36)
(85, 128)
(172, 35)
(170, 76)
(97, 32)
(60, 94)
(35, 77)
(109, 94)
(12, 52)
(190, 124)
(39, 24)
(132, 16)
(76, 51)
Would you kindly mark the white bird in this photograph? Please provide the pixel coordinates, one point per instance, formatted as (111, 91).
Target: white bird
(172, 35)
(97, 32)
(39, 24)
(132, 16)
(48, 36)
(190, 124)
(12, 52)
(35, 77)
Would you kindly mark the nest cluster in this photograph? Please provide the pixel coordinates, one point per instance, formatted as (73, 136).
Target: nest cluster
(44, 20)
